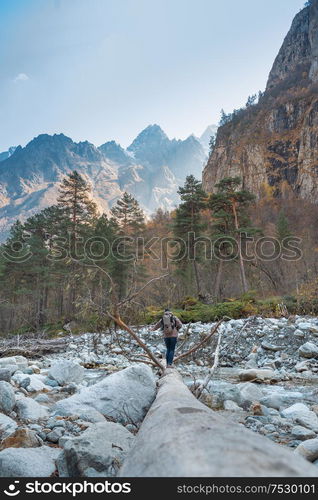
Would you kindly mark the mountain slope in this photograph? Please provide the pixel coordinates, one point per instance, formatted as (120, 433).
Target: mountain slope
(5, 154)
(29, 178)
(275, 142)
(151, 169)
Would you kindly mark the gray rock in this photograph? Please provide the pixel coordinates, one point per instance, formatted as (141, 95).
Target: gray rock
(28, 462)
(295, 410)
(270, 428)
(301, 433)
(7, 426)
(65, 371)
(252, 374)
(54, 422)
(35, 369)
(308, 350)
(20, 361)
(309, 420)
(302, 366)
(7, 397)
(51, 382)
(252, 360)
(270, 347)
(231, 406)
(32, 383)
(102, 447)
(301, 414)
(91, 415)
(5, 374)
(278, 400)
(55, 434)
(42, 398)
(223, 391)
(25, 382)
(28, 409)
(308, 449)
(35, 384)
(249, 392)
(306, 326)
(35, 427)
(299, 334)
(66, 437)
(13, 368)
(28, 371)
(125, 395)
(70, 388)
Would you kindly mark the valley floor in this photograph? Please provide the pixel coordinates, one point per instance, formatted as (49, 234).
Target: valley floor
(266, 380)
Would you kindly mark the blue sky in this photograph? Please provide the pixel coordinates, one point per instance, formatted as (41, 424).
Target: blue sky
(104, 69)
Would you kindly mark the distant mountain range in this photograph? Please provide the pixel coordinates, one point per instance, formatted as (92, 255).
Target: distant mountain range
(151, 169)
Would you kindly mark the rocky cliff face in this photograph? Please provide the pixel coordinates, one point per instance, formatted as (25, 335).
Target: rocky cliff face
(275, 142)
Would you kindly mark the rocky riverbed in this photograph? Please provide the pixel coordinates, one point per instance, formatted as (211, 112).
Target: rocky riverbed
(76, 413)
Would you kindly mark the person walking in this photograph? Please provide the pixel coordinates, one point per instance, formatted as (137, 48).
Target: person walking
(170, 325)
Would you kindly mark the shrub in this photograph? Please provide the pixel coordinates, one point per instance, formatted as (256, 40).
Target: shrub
(189, 303)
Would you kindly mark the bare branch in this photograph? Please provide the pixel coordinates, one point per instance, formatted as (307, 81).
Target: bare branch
(137, 292)
(207, 379)
(200, 344)
(123, 325)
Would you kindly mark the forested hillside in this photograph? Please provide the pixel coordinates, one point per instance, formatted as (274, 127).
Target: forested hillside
(221, 253)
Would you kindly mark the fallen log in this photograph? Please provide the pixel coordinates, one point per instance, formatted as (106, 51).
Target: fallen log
(181, 437)
(31, 347)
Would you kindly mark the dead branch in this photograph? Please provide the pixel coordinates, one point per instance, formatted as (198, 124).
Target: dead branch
(198, 391)
(30, 347)
(123, 325)
(200, 344)
(137, 292)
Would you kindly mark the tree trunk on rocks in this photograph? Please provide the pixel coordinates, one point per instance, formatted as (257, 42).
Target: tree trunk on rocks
(181, 437)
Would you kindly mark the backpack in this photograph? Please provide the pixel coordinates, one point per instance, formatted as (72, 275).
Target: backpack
(168, 322)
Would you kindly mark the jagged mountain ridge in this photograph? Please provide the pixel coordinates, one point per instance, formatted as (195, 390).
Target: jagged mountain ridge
(151, 169)
(275, 142)
(5, 154)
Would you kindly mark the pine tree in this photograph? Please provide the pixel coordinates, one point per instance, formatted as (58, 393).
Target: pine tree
(128, 215)
(129, 218)
(188, 225)
(80, 215)
(74, 199)
(282, 227)
(229, 206)
(101, 261)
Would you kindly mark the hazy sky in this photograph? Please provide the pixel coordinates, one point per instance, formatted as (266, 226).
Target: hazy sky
(105, 69)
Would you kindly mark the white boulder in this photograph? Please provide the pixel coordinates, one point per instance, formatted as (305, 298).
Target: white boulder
(28, 409)
(28, 462)
(125, 395)
(65, 371)
(101, 448)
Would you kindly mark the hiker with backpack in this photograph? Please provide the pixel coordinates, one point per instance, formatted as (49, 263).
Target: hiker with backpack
(170, 325)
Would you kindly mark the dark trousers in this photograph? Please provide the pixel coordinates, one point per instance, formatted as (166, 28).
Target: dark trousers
(170, 345)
